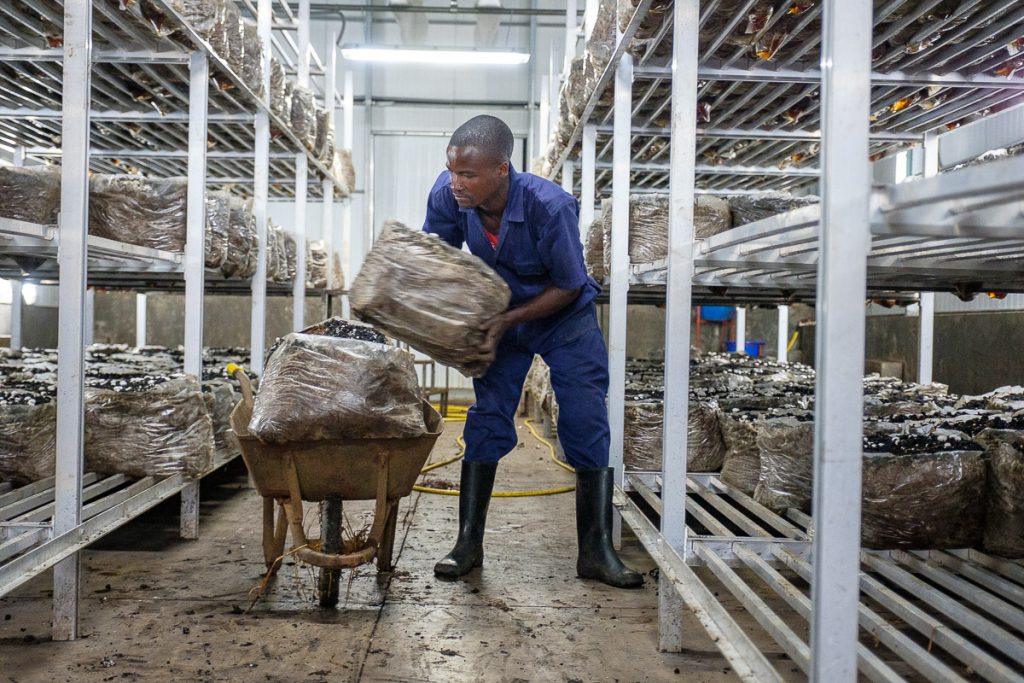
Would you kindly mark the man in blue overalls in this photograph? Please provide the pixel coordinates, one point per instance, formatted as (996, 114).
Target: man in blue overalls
(527, 229)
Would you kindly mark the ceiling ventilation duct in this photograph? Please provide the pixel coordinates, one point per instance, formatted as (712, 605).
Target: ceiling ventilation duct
(486, 33)
(412, 25)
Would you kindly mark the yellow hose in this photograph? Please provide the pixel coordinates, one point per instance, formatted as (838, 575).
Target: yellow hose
(460, 416)
(792, 341)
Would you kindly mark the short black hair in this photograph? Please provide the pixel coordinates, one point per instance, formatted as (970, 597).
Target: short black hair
(489, 134)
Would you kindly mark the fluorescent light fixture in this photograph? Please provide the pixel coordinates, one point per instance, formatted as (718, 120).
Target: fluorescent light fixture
(395, 55)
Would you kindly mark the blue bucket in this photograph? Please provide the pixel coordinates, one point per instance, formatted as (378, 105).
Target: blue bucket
(717, 314)
(752, 348)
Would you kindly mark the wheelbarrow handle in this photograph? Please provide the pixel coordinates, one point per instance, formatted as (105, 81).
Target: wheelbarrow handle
(243, 380)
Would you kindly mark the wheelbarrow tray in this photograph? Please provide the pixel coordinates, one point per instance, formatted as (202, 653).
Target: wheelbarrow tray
(340, 467)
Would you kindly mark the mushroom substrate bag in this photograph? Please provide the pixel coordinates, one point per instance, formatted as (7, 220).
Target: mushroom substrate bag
(30, 194)
(317, 387)
(1004, 517)
(148, 212)
(430, 295)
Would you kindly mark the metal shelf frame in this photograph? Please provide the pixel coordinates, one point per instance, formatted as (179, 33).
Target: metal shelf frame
(78, 97)
(957, 231)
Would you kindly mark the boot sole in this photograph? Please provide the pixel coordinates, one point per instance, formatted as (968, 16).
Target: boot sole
(453, 574)
(601, 579)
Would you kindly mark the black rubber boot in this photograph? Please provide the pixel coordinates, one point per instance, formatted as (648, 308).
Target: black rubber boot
(597, 558)
(474, 495)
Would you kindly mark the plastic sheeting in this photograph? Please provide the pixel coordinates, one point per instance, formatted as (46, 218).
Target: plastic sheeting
(30, 194)
(242, 242)
(323, 148)
(601, 43)
(593, 255)
(221, 397)
(749, 208)
(316, 388)
(741, 465)
(303, 115)
(280, 91)
(931, 499)
(644, 436)
(251, 69)
(157, 432)
(316, 264)
(426, 293)
(1004, 519)
(786, 454)
(28, 442)
(218, 228)
(148, 212)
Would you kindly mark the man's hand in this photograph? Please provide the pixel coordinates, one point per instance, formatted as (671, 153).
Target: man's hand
(494, 329)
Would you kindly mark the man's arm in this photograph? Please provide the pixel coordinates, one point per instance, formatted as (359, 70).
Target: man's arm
(548, 302)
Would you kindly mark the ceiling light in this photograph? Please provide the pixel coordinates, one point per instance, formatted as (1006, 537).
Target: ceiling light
(450, 57)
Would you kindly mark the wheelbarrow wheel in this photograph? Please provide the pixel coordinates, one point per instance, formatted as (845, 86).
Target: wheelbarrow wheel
(329, 580)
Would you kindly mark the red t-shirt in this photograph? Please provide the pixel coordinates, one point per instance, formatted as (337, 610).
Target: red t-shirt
(492, 238)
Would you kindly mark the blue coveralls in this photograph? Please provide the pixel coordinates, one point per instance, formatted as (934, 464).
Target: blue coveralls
(538, 246)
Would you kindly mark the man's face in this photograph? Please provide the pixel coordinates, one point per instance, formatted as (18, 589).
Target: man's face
(475, 176)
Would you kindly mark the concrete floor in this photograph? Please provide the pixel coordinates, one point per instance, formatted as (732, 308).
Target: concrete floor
(158, 608)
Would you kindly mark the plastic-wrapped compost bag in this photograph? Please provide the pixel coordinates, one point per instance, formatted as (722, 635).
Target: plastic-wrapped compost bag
(218, 228)
(414, 287)
(749, 208)
(928, 493)
(280, 91)
(161, 430)
(241, 241)
(148, 212)
(303, 115)
(252, 58)
(318, 387)
(1004, 521)
(786, 449)
(30, 194)
(221, 397)
(741, 466)
(594, 253)
(316, 264)
(28, 437)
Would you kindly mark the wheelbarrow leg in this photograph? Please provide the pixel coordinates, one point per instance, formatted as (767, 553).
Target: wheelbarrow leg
(275, 534)
(329, 581)
(387, 541)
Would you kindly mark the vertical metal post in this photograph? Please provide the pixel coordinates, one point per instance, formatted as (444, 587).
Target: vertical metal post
(568, 176)
(782, 343)
(926, 333)
(301, 176)
(679, 295)
(72, 263)
(347, 134)
(589, 18)
(842, 269)
(621, 153)
(327, 216)
(195, 256)
(543, 117)
(17, 302)
(588, 174)
(90, 317)
(140, 320)
(570, 34)
(261, 191)
(741, 329)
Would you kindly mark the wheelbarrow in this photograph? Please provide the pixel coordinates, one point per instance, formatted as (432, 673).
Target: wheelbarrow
(329, 472)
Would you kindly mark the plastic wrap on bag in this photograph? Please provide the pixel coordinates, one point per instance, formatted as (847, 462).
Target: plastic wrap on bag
(594, 254)
(234, 30)
(221, 398)
(786, 451)
(148, 212)
(316, 388)
(1004, 519)
(316, 264)
(338, 271)
(576, 91)
(303, 115)
(932, 499)
(345, 171)
(741, 465)
(324, 144)
(705, 447)
(413, 286)
(275, 247)
(749, 208)
(280, 95)
(202, 15)
(252, 58)
(601, 43)
(218, 228)
(290, 255)
(30, 194)
(28, 442)
(160, 431)
(242, 240)
(711, 215)
(644, 436)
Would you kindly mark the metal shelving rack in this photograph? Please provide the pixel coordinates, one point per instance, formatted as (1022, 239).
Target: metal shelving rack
(114, 97)
(938, 615)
